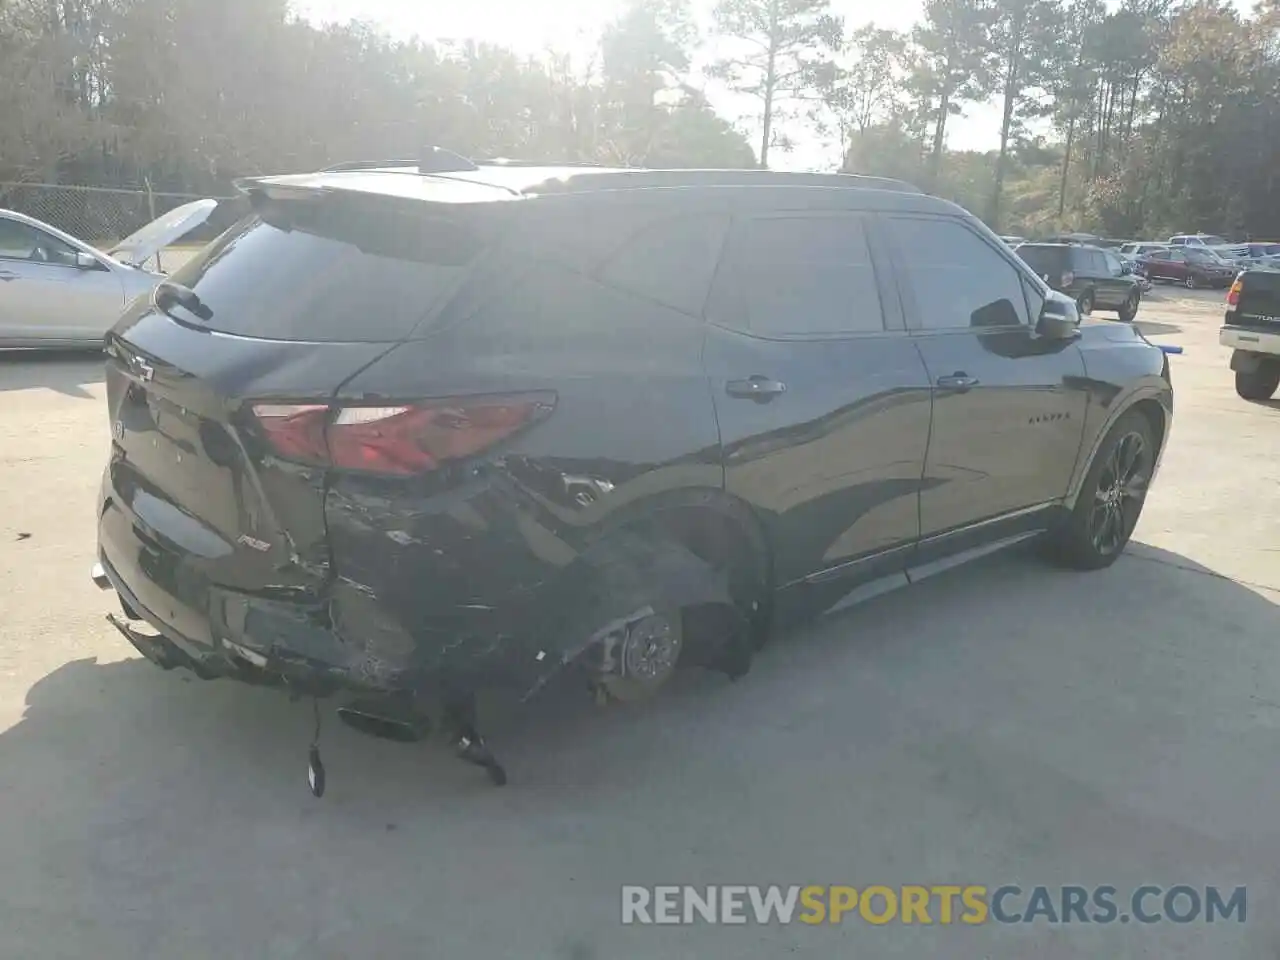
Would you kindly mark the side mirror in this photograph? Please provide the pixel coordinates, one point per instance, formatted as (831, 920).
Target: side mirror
(87, 261)
(1059, 319)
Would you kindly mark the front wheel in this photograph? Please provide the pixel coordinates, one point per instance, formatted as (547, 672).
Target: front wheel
(1111, 497)
(1259, 384)
(1085, 303)
(1130, 308)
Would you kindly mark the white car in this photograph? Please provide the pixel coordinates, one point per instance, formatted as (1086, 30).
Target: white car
(57, 291)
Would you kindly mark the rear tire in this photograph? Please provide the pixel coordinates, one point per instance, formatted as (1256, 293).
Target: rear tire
(1110, 499)
(1190, 282)
(1259, 384)
(1130, 308)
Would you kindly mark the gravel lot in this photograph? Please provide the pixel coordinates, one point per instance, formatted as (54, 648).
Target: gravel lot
(1006, 723)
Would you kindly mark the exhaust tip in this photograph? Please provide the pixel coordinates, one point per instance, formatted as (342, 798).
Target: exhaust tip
(98, 574)
(400, 729)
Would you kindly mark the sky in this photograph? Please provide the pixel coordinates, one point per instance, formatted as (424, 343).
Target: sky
(573, 26)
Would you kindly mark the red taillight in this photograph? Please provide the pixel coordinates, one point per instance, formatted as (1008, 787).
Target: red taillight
(295, 430)
(400, 440)
(1233, 295)
(1068, 278)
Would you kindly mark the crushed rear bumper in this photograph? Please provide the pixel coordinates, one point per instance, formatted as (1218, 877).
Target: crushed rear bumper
(294, 645)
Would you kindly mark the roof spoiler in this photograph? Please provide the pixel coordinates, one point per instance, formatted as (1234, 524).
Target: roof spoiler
(433, 160)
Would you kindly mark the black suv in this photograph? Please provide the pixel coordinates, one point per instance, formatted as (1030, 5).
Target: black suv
(404, 435)
(1091, 276)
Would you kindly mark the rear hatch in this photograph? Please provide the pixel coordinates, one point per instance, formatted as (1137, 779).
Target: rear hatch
(1257, 296)
(218, 389)
(1050, 263)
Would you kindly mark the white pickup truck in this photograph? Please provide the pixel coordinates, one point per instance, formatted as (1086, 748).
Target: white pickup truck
(1252, 330)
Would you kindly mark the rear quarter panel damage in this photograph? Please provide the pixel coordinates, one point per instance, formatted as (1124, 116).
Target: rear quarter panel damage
(464, 559)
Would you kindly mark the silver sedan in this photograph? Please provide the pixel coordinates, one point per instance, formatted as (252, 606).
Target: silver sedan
(58, 291)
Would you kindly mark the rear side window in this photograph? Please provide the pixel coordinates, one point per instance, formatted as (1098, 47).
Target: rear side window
(957, 278)
(330, 269)
(1043, 260)
(670, 262)
(798, 276)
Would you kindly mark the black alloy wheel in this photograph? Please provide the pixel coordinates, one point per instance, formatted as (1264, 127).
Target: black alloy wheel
(1111, 497)
(1119, 493)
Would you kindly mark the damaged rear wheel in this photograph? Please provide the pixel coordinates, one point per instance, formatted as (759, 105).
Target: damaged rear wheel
(640, 658)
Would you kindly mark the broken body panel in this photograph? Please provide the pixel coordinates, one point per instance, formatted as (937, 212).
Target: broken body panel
(486, 571)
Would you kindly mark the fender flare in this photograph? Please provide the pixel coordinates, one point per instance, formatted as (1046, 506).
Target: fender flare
(1160, 392)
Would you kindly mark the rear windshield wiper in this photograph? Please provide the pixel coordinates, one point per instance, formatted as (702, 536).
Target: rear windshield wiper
(168, 293)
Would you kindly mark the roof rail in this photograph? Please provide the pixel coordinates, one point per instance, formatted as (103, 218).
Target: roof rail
(512, 162)
(433, 160)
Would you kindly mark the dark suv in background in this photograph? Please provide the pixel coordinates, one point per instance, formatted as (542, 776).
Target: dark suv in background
(409, 432)
(1091, 276)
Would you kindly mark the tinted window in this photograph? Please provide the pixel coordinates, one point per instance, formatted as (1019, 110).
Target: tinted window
(798, 275)
(21, 242)
(1043, 259)
(1177, 255)
(957, 278)
(330, 269)
(670, 262)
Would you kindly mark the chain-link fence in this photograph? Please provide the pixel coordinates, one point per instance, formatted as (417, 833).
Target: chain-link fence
(102, 216)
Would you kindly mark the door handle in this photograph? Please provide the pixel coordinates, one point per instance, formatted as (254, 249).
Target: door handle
(958, 381)
(758, 388)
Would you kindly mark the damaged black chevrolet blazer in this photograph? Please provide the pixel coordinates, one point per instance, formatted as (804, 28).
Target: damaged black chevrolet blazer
(412, 431)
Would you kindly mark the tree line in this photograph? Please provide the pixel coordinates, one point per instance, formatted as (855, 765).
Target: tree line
(1146, 117)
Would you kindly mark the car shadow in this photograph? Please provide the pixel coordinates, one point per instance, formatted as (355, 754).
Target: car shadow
(1157, 328)
(62, 371)
(134, 714)
(141, 782)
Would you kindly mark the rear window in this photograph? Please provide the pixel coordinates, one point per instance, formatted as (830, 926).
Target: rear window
(330, 269)
(1042, 259)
